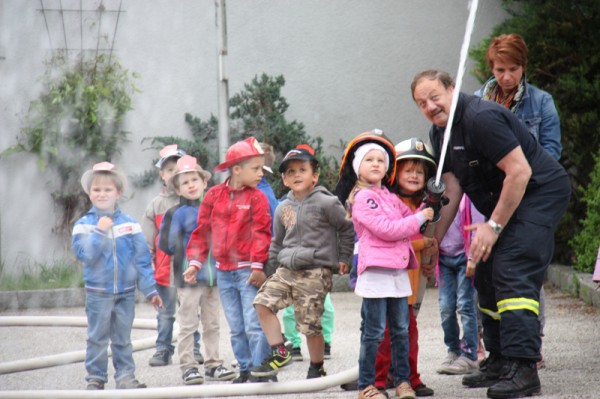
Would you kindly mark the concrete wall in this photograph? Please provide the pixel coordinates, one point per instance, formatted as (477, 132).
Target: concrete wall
(348, 65)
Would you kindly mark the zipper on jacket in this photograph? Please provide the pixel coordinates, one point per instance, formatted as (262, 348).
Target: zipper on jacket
(115, 262)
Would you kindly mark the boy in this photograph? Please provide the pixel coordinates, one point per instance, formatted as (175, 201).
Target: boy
(189, 182)
(161, 262)
(311, 237)
(234, 222)
(115, 260)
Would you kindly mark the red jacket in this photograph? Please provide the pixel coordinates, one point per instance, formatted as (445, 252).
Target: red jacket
(237, 223)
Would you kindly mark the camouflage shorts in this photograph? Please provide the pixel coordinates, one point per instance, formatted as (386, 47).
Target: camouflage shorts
(305, 289)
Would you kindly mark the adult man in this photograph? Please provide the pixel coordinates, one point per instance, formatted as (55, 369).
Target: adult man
(522, 192)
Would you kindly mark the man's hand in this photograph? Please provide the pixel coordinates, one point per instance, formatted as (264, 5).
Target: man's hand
(343, 268)
(429, 252)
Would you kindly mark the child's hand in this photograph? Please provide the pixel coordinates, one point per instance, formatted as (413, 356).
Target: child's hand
(343, 268)
(429, 242)
(257, 278)
(105, 223)
(189, 275)
(470, 272)
(428, 213)
(157, 302)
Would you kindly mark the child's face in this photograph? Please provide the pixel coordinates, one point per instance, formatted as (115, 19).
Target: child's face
(411, 176)
(372, 168)
(104, 193)
(168, 170)
(300, 177)
(249, 173)
(191, 185)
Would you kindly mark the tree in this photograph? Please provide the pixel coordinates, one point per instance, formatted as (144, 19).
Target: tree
(257, 111)
(76, 121)
(571, 73)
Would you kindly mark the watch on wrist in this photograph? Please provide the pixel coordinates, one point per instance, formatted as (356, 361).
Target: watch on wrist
(495, 226)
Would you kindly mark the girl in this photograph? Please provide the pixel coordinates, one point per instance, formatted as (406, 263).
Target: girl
(384, 225)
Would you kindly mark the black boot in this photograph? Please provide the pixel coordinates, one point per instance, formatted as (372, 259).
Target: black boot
(520, 380)
(490, 370)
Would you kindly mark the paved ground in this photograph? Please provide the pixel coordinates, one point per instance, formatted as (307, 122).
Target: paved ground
(571, 348)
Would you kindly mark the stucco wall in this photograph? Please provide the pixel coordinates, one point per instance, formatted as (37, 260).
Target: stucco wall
(348, 65)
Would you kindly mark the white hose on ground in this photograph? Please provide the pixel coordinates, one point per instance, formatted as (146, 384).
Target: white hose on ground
(67, 357)
(196, 391)
(216, 390)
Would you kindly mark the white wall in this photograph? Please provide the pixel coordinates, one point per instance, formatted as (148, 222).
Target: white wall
(348, 65)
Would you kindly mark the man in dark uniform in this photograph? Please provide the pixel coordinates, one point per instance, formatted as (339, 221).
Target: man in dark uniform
(523, 192)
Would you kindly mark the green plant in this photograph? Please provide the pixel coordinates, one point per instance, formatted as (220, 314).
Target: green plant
(587, 240)
(75, 122)
(259, 111)
(572, 75)
(62, 274)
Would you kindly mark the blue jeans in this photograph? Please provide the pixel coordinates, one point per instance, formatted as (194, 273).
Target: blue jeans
(374, 313)
(248, 341)
(456, 294)
(110, 317)
(166, 317)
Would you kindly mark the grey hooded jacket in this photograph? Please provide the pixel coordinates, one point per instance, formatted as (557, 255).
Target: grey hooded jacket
(310, 234)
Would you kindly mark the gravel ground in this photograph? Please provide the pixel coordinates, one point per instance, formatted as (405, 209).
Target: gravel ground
(571, 349)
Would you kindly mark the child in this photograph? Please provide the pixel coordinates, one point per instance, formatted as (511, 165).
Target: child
(414, 165)
(161, 262)
(115, 260)
(457, 293)
(312, 237)
(234, 221)
(189, 181)
(384, 225)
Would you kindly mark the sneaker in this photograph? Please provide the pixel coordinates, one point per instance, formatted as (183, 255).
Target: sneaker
(327, 351)
(162, 357)
(371, 392)
(95, 385)
(219, 373)
(198, 356)
(541, 363)
(243, 377)
(314, 372)
(462, 365)
(423, 390)
(129, 383)
(280, 357)
(383, 391)
(297, 355)
(191, 376)
(350, 386)
(450, 358)
(405, 391)
(480, 348)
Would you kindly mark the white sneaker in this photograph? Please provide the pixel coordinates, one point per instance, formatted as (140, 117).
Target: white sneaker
(462, 365)
(219, 373)
(450, 358)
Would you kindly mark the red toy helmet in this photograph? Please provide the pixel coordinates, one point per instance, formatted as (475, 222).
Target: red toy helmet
(240, 151)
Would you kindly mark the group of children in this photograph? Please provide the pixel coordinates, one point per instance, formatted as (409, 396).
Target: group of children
(199, 252)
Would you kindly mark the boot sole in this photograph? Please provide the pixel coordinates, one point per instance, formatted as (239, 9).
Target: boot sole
(480, 384)
(535, 391)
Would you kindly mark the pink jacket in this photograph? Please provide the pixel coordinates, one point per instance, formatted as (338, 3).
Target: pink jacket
(596, 276)
(384, 225)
